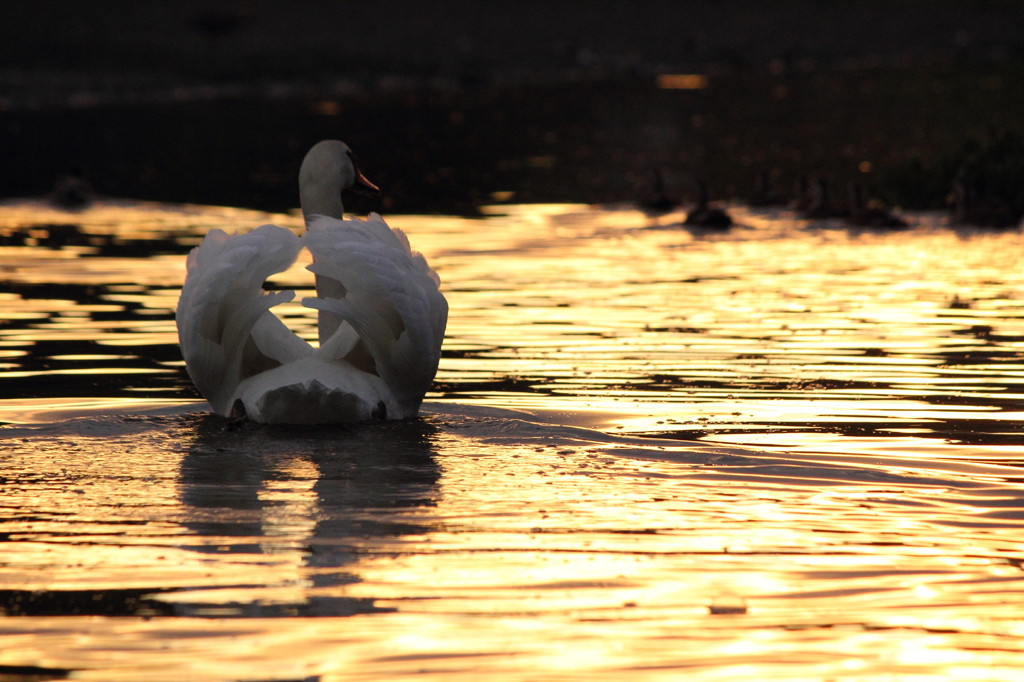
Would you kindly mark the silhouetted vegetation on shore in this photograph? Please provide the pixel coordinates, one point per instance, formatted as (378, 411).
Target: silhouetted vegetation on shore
(181, 104)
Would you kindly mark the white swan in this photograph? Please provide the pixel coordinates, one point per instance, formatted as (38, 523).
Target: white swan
(381, 315)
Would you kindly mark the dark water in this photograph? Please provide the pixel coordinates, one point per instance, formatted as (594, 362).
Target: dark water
(900, 132)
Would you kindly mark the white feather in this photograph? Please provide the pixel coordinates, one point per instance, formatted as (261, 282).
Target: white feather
(382, 316)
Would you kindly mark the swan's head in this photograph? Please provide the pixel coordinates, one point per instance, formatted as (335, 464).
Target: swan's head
(328, 169)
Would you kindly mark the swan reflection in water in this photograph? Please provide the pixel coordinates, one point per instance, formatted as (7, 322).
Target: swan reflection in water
(313, 500)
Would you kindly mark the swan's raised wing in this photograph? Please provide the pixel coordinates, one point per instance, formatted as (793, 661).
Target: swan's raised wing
(387, 294)
(225, 329)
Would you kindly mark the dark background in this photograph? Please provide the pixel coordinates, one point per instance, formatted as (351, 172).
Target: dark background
(448, 103)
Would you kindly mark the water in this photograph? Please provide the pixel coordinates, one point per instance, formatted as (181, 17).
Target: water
(790, 451)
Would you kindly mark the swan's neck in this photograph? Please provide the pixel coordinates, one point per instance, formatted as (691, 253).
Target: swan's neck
(318, 198)
(702, 196)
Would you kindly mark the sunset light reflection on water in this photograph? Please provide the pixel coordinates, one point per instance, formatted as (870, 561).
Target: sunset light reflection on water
(786, 451)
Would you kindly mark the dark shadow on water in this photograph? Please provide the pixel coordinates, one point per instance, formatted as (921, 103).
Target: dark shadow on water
(122, 602)
(32, 673)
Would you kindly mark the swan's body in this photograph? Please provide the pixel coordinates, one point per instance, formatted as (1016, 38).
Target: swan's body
(381, 315)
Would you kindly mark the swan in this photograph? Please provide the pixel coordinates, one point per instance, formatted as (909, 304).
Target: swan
(72, 191)
(381, 316)
(704, 215)
(657, 201)
(870, 214)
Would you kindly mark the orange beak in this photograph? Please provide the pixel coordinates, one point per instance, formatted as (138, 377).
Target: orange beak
(362, 183)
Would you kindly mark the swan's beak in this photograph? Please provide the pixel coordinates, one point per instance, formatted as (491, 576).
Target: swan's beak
(362, 184)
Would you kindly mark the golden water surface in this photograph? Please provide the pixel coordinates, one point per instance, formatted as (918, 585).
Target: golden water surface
(789, 451)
